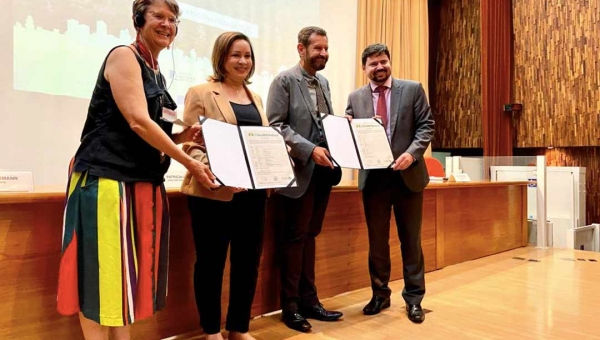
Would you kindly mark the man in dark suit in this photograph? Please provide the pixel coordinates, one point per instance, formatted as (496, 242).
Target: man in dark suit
(296, 99)
(402, 107)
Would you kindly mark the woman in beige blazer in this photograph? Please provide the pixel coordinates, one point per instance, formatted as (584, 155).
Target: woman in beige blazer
(227, 216)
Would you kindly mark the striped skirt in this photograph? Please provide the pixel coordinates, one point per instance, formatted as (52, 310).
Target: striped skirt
(115, 251)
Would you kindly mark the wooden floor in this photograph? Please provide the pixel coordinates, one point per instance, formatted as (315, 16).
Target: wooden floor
(526, 293)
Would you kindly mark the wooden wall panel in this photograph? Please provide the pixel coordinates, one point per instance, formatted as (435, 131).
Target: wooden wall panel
(494, 228)
(30, 245)
(496, 64)
(457, 103)
(557, 72)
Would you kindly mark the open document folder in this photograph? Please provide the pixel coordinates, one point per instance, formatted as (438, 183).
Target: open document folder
(250, 157)
(360, 144)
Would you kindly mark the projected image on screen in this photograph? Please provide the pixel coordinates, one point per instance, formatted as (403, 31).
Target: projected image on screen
(59, 45)
(53, 50)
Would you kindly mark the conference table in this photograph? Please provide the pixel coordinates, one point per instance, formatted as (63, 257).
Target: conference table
(461, 222)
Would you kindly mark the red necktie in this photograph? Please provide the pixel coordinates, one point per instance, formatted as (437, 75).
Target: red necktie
(381, 105)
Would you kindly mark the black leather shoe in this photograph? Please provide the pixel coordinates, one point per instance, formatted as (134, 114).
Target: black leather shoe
(295, 321)
(415, 313)
(376, 304)
(319, 313)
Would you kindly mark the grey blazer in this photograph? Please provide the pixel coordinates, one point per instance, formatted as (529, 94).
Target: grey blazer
(289, 106)
(411, 127)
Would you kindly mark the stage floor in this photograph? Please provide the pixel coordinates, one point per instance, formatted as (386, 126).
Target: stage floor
(526, 293)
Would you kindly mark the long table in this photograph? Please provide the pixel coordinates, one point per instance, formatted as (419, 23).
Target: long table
(461, 222)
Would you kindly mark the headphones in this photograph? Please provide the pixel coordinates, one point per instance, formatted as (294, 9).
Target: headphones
(139, 20)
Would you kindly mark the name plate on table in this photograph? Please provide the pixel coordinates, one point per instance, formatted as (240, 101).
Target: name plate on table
(462, 177)
(173, 180)
(16, 181)
(174, 176)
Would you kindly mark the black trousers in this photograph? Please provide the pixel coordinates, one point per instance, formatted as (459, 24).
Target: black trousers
(216, 225)
(302, 221)
(384, 190)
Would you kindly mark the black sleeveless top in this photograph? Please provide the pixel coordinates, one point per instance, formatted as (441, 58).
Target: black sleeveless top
(109, 147)
(246, 114)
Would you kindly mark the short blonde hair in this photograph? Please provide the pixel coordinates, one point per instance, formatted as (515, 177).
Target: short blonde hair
(221, 50)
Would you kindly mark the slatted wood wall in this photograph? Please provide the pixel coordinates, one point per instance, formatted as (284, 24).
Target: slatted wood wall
(556, 77)
(457, 104)
(557, 72)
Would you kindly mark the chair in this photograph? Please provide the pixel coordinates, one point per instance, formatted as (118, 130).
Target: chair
(434, 167)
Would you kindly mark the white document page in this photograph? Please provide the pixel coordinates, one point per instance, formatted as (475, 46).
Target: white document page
(226, 154)
(340, 142)
(372, 142)
(268, 158)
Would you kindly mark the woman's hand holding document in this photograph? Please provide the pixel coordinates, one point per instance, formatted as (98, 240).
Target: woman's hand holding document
(357, 143)
(251, 157)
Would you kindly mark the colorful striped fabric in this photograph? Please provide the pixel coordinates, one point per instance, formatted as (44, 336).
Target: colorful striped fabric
(115, 250)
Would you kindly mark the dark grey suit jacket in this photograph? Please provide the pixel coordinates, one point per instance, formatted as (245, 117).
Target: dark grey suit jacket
(289, 106)
(411, 126)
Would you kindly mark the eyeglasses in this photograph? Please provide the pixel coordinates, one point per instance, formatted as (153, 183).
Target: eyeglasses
(173, 21)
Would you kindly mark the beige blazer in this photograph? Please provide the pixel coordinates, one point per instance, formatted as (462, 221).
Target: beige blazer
(206, 100)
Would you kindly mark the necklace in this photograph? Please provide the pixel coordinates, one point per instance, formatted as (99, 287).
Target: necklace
(149, 58)
(236, 95)
(238, 89)
(232, 89)
(145, 53)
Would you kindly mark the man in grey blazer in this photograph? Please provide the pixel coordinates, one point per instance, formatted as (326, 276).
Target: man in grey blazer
(402, 107)
(296, 98)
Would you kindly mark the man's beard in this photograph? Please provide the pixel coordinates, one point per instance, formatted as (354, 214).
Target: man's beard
(379, 76)
(313, 62)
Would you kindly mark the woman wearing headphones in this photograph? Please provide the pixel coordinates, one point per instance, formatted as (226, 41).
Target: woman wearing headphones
(113, 269)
